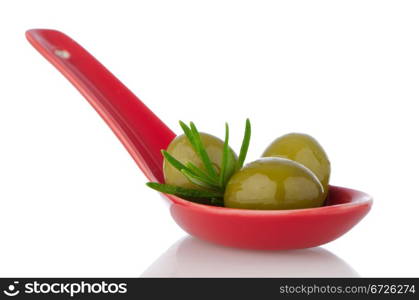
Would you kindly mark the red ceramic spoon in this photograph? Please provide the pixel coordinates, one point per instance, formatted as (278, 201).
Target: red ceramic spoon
(144, 135)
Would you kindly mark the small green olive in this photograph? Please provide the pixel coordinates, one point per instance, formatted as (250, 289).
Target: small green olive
(181, 149)
(274, 183)
(304, 149)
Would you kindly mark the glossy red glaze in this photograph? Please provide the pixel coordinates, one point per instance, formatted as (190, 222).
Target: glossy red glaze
(274, 229)
(144, 135)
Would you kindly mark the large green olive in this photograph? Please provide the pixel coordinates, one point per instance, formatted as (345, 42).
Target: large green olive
(274, 183)
(181, 149)
(304, 149)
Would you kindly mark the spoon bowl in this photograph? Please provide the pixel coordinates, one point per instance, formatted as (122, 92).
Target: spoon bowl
(143, 134)
(273, 229)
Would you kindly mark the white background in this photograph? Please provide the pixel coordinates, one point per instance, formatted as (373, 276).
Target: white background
(72, 201)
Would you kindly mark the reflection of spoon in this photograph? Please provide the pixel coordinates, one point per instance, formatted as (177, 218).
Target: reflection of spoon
(144, 135)
(190, 257)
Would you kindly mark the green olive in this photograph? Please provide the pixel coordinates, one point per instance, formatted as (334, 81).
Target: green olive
(274, 183)
(304, 149)
(181, 149)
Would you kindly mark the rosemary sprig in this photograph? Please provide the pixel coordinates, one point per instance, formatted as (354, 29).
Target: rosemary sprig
(188, 134)
(201, 173)
(245, 145)
(194, 174)
(226, 155)
(199, 181)
(183, 192)
(200, 149)
(211, 183)
(173, 161)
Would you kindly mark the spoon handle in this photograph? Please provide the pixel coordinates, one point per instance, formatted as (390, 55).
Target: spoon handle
(141, 132)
